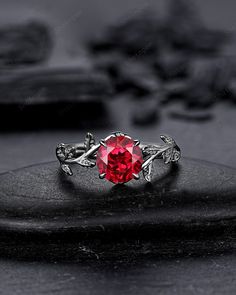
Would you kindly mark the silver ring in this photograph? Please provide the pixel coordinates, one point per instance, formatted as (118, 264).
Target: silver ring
(118, 157)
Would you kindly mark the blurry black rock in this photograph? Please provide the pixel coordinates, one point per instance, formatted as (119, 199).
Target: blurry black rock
(31, 86)
(143, 50)
(137, 36)
(22, 44)
(232, 91)
(145, 111)
(109, 63)
(171, 64)
(209, 82)
(180, 112)
(128, 74)
(61, 92)
(186, 30)
(47, 97)
(137, 78)
(145, 34)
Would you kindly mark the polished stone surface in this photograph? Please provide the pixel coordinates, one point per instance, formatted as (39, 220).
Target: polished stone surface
(65, 235)
(188, 196)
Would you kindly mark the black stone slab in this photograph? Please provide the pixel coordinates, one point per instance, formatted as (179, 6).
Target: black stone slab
(192, 196)
(46, 85)
(53, 98)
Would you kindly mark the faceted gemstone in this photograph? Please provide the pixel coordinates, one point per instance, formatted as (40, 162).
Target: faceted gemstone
(119, 159)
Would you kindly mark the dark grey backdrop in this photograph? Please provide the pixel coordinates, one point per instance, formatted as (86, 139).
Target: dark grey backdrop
(214, 140)
(73, 21)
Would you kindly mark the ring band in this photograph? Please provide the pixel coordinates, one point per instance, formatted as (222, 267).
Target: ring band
(118, 157)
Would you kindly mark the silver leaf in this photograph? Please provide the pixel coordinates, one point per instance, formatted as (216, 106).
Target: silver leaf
(147, 172)
(85, 162)
(167, 139)
(89, 141)
(150, 150)
(167, 155)
(176, 156)
(171, 155)
(66, 169)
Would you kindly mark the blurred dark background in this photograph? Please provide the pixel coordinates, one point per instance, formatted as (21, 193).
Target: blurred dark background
(141, 67)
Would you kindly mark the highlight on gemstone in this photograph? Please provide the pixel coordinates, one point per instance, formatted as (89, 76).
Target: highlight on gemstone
(119, 158)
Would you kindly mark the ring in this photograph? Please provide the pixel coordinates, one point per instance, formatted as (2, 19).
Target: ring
(118, 157)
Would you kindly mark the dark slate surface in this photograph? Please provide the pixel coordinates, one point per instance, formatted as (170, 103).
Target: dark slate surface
(63, 235)
(190, 195)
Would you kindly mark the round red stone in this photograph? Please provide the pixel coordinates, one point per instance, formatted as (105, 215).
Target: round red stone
(119, 159)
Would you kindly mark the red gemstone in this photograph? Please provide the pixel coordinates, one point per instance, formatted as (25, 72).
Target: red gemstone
(119, 159)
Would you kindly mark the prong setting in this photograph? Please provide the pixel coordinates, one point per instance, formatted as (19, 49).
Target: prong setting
(102, 175)
(136, 176)
(136, 142)
(102, 142)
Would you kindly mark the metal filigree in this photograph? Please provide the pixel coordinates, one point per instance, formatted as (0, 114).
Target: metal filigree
(170, 152)
(84, 154)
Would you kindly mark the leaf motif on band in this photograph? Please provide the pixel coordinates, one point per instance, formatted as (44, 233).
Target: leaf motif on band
(65, 152)
(89, 141)
(166, 155)
(150, 150)
(176, 156)
(147, 172)
(167, 139)
(172, 154)
(60, 152)
(66, 169)
(85, 162)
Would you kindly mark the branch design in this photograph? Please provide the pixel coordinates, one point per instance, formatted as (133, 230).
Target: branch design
(84, 154)
(81, 154)
(170, 152)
